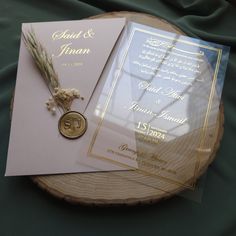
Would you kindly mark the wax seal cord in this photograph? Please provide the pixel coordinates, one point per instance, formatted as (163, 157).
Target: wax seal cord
(61, 97)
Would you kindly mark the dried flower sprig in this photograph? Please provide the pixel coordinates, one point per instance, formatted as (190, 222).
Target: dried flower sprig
(41, 59)
(65, 97)
(60, 97)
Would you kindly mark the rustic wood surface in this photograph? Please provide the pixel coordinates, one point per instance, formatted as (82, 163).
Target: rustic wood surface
(122, 187)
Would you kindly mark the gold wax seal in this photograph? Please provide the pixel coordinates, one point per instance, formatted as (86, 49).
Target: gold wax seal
(72, 125)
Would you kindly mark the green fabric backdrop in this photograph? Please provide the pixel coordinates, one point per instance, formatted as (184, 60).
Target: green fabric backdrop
(26, 210)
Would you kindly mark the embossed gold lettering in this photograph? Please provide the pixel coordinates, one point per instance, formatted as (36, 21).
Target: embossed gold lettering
(67, 50)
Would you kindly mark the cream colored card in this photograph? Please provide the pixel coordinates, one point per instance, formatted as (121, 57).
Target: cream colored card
(80, 50)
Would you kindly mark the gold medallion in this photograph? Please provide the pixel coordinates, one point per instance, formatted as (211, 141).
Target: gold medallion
(72, 125)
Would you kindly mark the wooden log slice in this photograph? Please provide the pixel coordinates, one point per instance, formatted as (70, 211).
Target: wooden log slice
(124, 187)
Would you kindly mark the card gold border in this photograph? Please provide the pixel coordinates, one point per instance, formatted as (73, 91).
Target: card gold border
(203, 133)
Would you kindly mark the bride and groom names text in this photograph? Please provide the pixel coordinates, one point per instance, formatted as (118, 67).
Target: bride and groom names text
(165, 114)
(67, 48)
